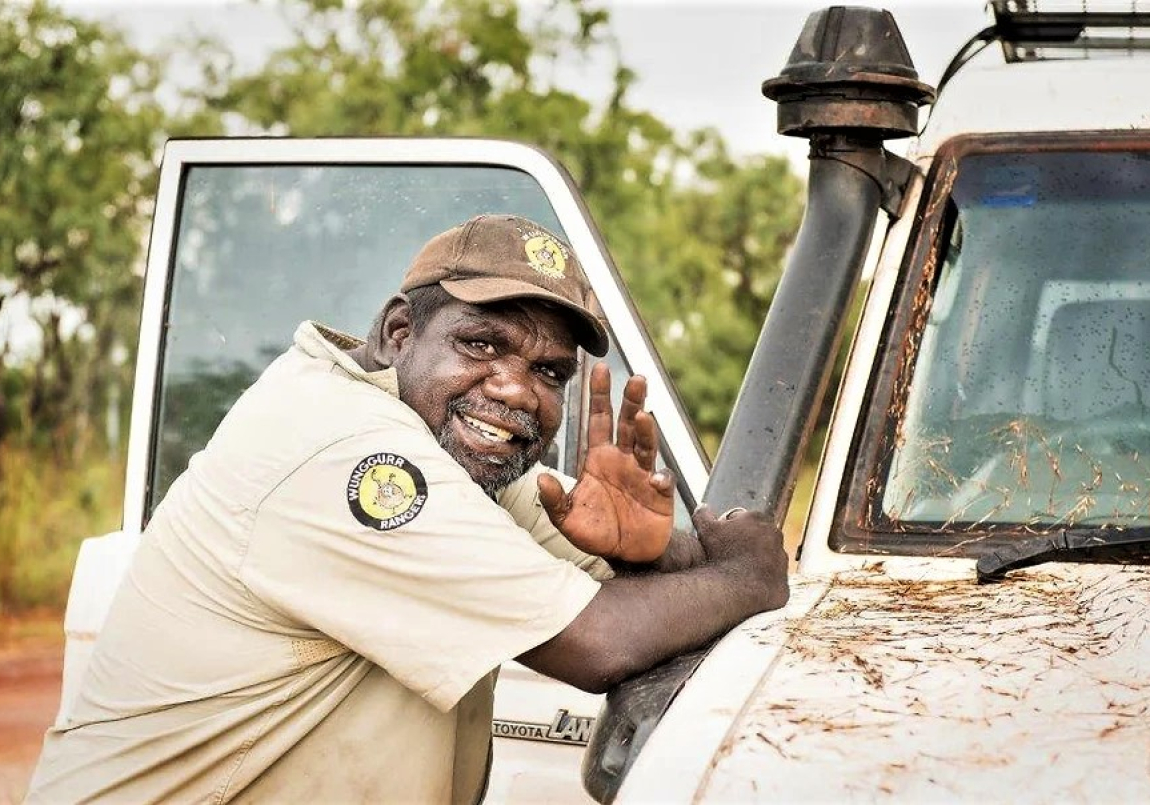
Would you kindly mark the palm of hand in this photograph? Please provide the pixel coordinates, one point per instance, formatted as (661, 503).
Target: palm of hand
(613, 500)
(620, 507)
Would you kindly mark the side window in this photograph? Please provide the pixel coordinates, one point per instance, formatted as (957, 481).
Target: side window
(261, 248)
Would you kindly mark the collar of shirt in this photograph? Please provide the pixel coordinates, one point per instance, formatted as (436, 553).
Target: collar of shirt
(320, 341)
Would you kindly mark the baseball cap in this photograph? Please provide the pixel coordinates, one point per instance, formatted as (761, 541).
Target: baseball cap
(491, 258)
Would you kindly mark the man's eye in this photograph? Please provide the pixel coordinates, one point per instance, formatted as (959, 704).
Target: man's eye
(481, 347)
(552, 375)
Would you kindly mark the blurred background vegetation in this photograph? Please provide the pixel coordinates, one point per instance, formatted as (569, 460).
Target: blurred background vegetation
(698, 234)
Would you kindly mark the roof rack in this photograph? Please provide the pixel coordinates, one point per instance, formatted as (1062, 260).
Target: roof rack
(1031, 33)
(1032, 30)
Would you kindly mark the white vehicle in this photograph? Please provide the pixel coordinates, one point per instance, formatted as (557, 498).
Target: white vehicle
(993, 426)
(994, 415)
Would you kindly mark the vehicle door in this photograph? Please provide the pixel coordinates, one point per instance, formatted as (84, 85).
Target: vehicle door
(252, 236)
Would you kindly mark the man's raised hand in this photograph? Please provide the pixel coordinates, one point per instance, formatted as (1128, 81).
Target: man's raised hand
(620, 507)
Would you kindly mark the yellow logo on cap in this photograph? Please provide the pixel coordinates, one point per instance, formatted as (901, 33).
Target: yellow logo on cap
(386, 491)
(545, 254)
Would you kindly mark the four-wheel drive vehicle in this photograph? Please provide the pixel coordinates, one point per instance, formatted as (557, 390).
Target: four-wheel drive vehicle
(969, 619)
(993, 417)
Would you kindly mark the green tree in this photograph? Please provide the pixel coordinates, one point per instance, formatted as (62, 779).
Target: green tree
(79, 128)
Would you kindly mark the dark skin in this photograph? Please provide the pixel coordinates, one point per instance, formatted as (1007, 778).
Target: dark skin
(489, 381)
(636, 621)
(621, 508)
(509, 366)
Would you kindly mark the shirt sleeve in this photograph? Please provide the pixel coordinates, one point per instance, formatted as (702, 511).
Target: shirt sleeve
(383, 542)
(521, 500)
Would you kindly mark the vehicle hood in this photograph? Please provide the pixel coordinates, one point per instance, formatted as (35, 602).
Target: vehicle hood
(868, 686)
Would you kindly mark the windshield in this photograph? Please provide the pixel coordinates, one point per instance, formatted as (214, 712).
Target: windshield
(1026, 405)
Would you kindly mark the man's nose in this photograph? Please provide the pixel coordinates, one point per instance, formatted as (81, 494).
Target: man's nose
(510, 383)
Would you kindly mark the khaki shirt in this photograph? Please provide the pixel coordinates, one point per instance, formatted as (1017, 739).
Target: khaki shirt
(316, 610)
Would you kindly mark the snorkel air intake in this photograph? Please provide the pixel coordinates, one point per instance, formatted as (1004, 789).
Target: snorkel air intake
(848, 86)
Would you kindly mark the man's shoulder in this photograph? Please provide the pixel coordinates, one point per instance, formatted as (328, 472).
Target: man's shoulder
(318, 394)
(297, 409)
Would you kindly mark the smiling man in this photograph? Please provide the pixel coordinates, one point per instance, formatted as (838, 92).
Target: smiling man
(319, 606)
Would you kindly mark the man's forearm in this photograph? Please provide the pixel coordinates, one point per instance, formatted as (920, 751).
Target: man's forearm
(637, 621)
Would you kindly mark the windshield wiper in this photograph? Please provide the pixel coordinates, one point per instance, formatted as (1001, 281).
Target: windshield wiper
(1054, 547)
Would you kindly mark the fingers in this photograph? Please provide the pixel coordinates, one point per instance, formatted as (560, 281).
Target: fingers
(664, 482)
(553, 498)
(601, 419)
(634, 395)
(703, 518)
(636, 432)
(646, 447)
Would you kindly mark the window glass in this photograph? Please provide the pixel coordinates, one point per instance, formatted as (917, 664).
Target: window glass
(261, 248)
(1029, 401)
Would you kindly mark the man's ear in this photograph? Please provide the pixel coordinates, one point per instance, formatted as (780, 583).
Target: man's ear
(391, 330)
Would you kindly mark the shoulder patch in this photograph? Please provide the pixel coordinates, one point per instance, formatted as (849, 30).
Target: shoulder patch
(386, 491)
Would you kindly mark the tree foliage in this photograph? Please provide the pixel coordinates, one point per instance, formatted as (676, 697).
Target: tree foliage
(78, 128)
(703, 264)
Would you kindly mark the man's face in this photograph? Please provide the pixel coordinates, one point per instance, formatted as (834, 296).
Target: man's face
(489, 382)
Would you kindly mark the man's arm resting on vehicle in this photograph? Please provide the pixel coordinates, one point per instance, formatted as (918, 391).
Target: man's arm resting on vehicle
(635, 622)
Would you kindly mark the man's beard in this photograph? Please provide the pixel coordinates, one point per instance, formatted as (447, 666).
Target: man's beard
(498, 471)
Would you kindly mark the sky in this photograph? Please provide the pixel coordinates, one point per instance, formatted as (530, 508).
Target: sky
(699, 62)
(703, 63)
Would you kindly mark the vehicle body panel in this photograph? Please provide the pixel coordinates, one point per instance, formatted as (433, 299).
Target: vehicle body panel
(921, 687)
(988, 96)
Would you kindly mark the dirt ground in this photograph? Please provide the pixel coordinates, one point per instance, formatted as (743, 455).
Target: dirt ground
(31, 661)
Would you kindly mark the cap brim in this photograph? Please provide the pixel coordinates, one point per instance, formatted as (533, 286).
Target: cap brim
(481, 290)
